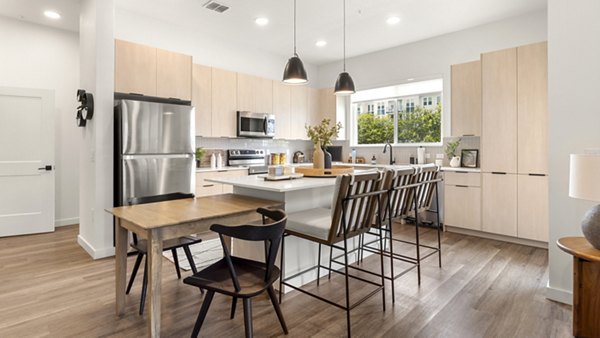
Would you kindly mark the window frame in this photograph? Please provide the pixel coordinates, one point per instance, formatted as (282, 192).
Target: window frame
(354, 118)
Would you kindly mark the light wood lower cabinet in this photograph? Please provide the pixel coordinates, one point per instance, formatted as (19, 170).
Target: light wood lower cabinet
(533, 207)
(462, 200)
(204, 188)
(462, 206)
(499, 204)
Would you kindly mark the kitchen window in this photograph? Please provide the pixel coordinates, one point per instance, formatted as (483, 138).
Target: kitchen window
(416, 120)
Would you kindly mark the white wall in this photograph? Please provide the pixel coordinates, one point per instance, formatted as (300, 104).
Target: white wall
(96, 139)
(432, 58)
(204, 48)
(573, 82)
(35, 56)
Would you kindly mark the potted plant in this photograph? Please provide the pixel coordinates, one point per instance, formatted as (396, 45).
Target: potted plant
(451, 148)
(322, 136)
(199, 154)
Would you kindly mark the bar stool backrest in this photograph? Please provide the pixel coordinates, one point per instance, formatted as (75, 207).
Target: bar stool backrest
(358, 198)
(426, 178)
(400, 193)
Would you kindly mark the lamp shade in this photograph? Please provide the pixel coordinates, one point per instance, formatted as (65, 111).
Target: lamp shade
(294, 72)
(584, 177)
(344, 84)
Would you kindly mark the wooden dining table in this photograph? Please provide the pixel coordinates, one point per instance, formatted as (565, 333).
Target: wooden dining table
(160, 221)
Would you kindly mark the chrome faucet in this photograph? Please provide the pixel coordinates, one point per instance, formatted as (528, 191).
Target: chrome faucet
(387, 144)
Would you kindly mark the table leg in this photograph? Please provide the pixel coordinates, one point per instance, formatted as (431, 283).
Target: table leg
(120, 266)
(155, 248)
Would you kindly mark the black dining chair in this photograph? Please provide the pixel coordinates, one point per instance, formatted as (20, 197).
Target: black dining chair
(141, 245)
(240, 277)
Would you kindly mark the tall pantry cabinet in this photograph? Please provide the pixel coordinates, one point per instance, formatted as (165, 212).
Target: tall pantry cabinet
(514, 142)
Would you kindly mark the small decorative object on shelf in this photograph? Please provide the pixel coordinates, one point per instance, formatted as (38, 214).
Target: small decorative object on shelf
(468, 158)
(85, 111)
(451, 153)
(322, 135)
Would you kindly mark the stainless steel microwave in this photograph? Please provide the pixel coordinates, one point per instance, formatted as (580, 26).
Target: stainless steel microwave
(255, 124)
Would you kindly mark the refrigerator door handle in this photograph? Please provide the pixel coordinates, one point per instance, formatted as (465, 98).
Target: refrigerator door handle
(133, 157)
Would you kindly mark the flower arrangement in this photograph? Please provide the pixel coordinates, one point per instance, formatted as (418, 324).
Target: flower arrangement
(323, 133)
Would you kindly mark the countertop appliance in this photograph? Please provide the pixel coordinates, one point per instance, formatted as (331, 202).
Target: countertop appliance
(298, 157)
(254, 159)
(260, 125)
(154, 147)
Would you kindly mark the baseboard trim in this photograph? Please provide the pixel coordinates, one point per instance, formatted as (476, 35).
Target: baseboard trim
(497, 237)
(93, 252)
(66, 221)
(559, 295)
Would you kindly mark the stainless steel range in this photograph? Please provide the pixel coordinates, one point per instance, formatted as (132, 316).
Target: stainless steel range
(254, 159)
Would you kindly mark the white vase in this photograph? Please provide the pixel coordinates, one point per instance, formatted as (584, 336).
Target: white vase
(455, 162)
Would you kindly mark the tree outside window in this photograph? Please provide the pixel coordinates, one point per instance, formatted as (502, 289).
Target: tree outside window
(417, 117)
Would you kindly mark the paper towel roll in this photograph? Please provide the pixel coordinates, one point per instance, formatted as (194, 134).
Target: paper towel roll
(421, 155)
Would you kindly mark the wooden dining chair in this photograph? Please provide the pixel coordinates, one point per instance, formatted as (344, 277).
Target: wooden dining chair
(141, 245)
(357, 199)
(240, 277)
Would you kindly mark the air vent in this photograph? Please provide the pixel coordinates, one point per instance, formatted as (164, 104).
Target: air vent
(215, 6)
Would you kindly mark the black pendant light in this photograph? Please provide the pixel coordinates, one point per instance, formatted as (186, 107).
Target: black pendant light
(294, 72)
(344, 84)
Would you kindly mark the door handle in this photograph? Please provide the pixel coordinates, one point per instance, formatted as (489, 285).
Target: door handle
(265, 123)
(46, 168)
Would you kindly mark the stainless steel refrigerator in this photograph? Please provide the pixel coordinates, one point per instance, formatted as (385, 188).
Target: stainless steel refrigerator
(154, 147)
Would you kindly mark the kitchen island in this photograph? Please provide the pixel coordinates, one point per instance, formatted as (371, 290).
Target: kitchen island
(297, 194)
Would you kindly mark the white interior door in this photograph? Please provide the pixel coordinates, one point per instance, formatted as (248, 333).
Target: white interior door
(26, 148)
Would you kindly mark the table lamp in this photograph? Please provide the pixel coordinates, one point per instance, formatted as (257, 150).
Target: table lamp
(584, 183)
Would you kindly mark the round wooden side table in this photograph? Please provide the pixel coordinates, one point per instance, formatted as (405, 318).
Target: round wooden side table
(586, 285)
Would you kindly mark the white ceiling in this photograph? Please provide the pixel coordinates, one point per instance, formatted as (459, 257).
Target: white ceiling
(33, 11)
(317, 19)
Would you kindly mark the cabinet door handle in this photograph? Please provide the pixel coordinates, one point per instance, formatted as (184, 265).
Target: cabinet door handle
(221, 171)
(461, 186)
(208, 185)
(533, 174)
(498, 173)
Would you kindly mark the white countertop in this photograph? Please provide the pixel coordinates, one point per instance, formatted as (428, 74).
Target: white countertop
(205, 170)
(259, 183)
(468, 170)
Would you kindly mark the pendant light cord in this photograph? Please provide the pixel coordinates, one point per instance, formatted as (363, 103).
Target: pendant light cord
(295, 28)
(344, 34)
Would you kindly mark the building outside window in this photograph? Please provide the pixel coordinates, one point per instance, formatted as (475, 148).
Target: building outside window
(406, 114)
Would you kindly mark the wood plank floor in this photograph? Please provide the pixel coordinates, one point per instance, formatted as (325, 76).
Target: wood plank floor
(49, 287)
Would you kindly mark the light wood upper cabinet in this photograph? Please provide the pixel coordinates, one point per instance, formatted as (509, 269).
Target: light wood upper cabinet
(314, 112)
(466, 99)
(264, 96)
(299, 112)
(533, 211)
(135, 68)
(255, 94)
(246, 85)
(282, 109)
(532, 105)
(202, 99)
(499, 204)
(327, 104)
(173, 75)
(224, 102)
(499, 111)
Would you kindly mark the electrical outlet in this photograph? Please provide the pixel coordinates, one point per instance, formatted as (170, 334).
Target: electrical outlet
(439, 156)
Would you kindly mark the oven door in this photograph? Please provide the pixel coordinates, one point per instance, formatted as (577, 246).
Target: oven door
(255, 125)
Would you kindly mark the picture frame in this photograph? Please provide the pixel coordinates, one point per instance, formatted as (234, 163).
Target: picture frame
(469, 158)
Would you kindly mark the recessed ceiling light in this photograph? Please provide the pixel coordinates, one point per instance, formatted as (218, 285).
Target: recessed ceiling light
(262, 21)
(52, 15)
(321, 43)
(392, 20)
(410, 79)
